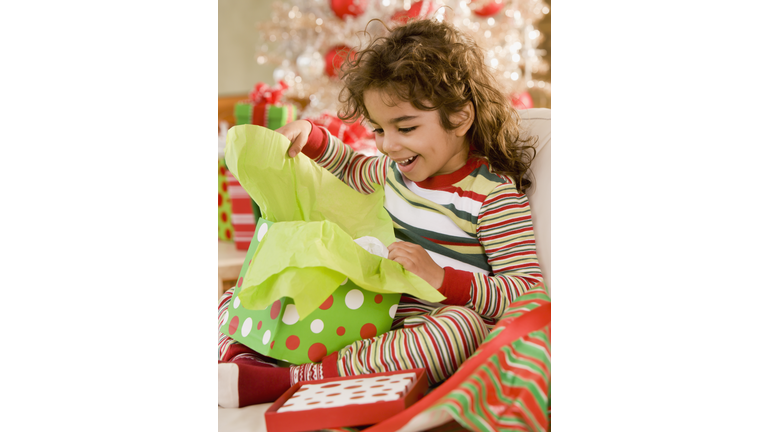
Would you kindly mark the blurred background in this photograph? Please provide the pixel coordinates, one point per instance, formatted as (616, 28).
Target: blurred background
(301, 42)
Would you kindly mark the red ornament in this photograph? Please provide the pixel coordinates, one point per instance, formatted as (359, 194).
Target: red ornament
(419, 10)
(522, 100)
(485, 8)
(352, 8)
(335, 57)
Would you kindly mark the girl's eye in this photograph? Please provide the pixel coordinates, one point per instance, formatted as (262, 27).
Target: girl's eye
(378, 131)
(406, 130)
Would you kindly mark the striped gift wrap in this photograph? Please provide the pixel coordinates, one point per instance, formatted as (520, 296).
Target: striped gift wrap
(243, 219)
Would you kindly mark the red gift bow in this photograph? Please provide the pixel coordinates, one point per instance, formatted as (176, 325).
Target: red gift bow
(263, 93)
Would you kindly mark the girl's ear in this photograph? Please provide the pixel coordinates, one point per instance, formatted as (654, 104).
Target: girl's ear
(465, 118)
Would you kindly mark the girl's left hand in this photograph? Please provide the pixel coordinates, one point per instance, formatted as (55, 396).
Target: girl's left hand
(416, 260)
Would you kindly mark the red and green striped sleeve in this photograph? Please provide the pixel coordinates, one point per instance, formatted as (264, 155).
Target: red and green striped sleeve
(359, 171)
(505, 230)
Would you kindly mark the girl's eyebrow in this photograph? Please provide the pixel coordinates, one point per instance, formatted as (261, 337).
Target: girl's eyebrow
(398, 119)
(402, 119)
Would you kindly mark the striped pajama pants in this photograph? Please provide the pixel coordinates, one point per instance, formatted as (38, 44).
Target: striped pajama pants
(438, 340)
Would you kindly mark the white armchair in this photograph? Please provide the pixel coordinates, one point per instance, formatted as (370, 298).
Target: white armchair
(536, 122)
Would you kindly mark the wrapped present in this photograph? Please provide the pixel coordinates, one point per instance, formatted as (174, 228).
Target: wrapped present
(243, 218)
(349, 314)
(226, 230)
(264, 107)
(345, 402)
(306, 280)
(354, 134)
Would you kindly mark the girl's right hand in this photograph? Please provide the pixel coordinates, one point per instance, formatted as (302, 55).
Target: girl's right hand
(298, 132)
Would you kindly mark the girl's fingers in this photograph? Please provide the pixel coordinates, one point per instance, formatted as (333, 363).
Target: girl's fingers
(405, 262)
(400, 245)
(298, 133)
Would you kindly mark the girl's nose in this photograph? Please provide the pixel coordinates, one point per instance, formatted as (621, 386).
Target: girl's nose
(388, 144)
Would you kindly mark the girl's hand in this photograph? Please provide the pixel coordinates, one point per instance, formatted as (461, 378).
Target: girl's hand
(416, 260)
(298, 132)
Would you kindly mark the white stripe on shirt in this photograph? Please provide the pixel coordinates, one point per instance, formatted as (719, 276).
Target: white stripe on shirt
(420, 218)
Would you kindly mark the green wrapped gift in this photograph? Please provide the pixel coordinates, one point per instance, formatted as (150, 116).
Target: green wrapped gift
(349, 314)
(264, 107)
(264, 114)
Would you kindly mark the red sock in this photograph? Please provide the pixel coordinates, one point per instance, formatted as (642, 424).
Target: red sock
(259, 384)
(315, 371)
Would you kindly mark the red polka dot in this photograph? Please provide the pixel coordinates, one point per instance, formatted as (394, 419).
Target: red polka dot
(378, 298)
(292, 342)
(258, 326)
(233, 325)
(240, 282)
(341, 330)
(222, 171)
(317, 352)
(221, 200)
(223, 216)
(368, 331)
(327, 303)
(228, 234)
(272, 345)
(224, 186)
(275, 311)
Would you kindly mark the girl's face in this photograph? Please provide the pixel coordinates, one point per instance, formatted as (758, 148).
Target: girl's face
(414, 139)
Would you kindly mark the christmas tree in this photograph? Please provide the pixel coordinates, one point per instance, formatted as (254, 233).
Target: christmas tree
(308, 39)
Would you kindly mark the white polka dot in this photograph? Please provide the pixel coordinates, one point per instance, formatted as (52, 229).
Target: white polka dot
(393, 310)
(262, 230)
(354, 299)
(226, 318)
(290, 316)
(247, 326)
(236, 303)
(345, 281)
(317, 326)
(267, 335)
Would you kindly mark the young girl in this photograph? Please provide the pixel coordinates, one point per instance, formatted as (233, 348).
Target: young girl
(454, 173)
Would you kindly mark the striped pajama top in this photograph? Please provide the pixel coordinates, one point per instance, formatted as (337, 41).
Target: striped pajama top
(472, 222)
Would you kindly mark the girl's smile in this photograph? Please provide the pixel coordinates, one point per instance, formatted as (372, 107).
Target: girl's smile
(415, 139)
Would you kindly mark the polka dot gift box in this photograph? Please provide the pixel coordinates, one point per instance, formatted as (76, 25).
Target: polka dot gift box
(335, 403)
(351, 313)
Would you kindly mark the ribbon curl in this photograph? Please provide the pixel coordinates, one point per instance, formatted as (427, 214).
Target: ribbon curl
(263, 93)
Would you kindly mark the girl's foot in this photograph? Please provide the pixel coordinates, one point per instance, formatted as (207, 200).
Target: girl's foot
(243, 384)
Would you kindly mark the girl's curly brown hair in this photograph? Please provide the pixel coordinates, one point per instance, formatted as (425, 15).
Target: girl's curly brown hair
(434, 66)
